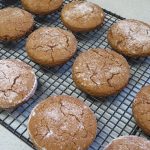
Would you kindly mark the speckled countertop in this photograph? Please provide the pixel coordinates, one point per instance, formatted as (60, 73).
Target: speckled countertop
(136, 9)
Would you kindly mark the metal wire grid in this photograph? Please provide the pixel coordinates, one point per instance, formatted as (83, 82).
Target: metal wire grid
(114, 115)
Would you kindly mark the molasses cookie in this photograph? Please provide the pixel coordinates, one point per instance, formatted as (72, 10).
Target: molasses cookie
(14, 23)
(62, 123)
(41, 7)
(100, 72)
(130, 37)
(80, 16)
(129, 143)
(17, 83)
(51, 46)
(141, 109)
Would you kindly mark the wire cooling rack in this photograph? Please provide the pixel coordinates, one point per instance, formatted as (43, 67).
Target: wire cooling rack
(114, 114)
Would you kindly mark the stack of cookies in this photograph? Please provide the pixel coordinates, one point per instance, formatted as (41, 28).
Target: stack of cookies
(64, 122)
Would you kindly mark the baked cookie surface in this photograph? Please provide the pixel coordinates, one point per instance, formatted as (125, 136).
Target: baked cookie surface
(62, 123)
(141, 109)
(100, 72)
(51, 46)
(129, 143)
(80, 16)
(41, 7)
(17, 83)
(14, 23)
(130, 37)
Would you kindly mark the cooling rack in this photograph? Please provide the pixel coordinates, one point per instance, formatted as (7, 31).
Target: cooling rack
(114, 114)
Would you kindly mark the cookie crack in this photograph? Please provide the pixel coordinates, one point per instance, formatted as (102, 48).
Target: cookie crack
(109, 79)
(11, 87)
(93, 74)
(5, 76)
(14, 81)
(93, 80)
(79, 72)
(53, 46)
(52, 56)
(67, 39)
(148, 32)
(120, 43)
(87, 65)
(117, 62)
(61, 104)
(97, 53)
(58, 139)
(104, 66)
(113, 57)
(78, 120)
(37, 46)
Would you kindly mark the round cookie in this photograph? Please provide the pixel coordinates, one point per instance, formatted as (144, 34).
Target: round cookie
(14, 23)
(82, 16)
(129, 143)
(17, 83)
(141, 109)
(100, 72)
(62, 123)
(51, 46)
(41, 7)
(130, 37)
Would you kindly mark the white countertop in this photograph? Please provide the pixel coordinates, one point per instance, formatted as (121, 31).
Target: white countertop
(136, 9)
(9, 141)
(131, 9)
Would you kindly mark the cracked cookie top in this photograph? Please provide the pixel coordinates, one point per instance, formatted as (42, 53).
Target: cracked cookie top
(129, 143)
(17, 82)
(141, 109)
(41, 6)
(100, 72)
(51, 46)
(14, 23)
(62, 123)
(82, 16)
(130, 37)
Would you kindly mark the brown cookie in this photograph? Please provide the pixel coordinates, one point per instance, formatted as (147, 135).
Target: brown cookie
(17, 82)
(129, 143)
(41, 7)
(62, 123)
(130, 37)
(141, 109)
(51, 46)
(100, 72)
(80, 16)
(14, 23)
